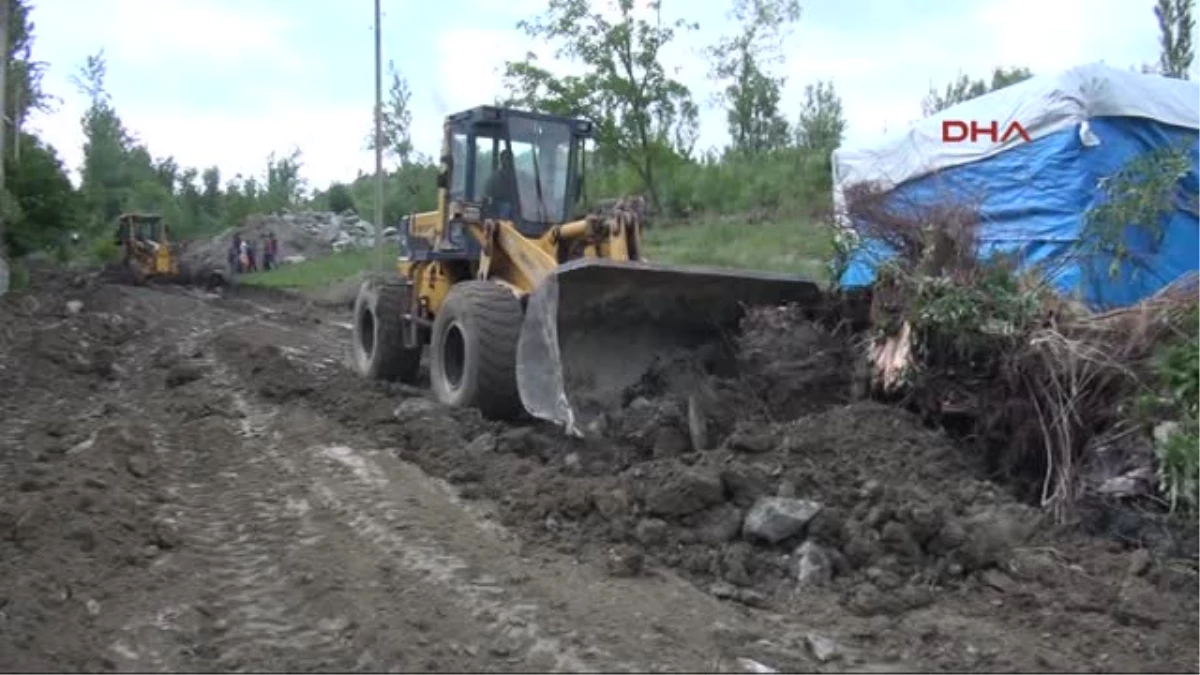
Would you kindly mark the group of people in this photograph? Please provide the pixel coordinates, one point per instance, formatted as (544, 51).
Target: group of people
(243, 255)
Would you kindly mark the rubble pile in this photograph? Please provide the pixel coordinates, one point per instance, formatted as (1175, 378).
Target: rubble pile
(302, 235)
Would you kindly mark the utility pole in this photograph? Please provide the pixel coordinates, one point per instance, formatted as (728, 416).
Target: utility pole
(378, 138)
(4, 7)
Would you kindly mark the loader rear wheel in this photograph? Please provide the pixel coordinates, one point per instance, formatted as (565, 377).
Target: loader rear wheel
(473, 351)
(379, 351)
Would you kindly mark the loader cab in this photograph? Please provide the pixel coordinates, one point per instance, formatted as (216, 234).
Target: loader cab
(515, 165)
(140, 227)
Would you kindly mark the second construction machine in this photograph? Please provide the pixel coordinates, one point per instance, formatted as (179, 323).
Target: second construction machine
(146, 249)
(523, 306)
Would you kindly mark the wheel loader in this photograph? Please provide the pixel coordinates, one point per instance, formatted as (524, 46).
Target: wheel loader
(146, 251)
(524, 307)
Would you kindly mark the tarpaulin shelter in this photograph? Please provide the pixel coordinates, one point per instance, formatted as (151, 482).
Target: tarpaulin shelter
(1034, 195)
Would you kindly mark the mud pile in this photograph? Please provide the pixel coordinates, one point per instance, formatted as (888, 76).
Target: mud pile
(768, 484)
(77, 506)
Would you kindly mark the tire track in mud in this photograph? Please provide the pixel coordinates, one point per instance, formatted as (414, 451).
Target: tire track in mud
(350, 485)
(244, 614)
(249, 518)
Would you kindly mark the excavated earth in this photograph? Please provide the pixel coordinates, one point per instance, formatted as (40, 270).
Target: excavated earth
(197, 482)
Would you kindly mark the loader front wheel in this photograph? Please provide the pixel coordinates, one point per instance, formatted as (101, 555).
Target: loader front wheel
(473, 351)
(379, 351)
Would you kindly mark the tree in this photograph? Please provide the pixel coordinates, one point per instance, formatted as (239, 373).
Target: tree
(285, 187)
(643, 117)
(822, 123)
(23, 82)
(751, 95)
(1175, 25)
(964, 88)
(396, 120)
(340, 198)
(48, 206)
(105, 184)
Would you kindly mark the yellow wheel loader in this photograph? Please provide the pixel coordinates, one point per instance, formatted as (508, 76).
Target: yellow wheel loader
(146, 251)
(524, 307)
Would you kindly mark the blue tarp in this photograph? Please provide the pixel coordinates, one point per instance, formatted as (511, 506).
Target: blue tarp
(1034, 200)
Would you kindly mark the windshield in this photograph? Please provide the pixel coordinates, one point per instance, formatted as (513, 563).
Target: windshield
(541, 158)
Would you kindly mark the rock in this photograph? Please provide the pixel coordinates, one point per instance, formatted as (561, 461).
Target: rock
(735, 566)
(166, 535)
(612, 504)
(684, 493)
(138, 465)
(293, 259)
(822, 648)
(74, 306)
(651, 531)
(774, 519)
(669, 442)
(997, 580)
(722, 524)
(414, 407)
(182, 374)
(746, 485)
(625, 562)
(787, 489)
(752, 666)
(1140, 562)
(993, 533)
(483, 444)
(726, 591)
(515, 441)
(93, 607)
(814, 565)
(751, 442)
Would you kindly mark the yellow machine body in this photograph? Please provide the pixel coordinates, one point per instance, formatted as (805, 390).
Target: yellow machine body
(146, 250)
(523, 302)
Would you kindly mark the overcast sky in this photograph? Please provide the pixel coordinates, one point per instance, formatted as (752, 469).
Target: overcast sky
(226, 82)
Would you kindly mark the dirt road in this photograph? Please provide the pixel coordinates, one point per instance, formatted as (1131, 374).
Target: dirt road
(198, 483)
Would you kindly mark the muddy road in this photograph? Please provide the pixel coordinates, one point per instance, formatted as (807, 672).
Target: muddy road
(198, 483)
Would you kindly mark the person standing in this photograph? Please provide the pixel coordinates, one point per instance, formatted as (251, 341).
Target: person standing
(268, 260)
(235, 254)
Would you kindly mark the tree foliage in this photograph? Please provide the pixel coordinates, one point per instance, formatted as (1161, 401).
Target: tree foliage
(395, 120)
(644, 118)
(741, 61)
(1175, 26)
(964, 88)
(822, 123)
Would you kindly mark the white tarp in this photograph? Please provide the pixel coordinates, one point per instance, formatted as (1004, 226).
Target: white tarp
(1042, 105)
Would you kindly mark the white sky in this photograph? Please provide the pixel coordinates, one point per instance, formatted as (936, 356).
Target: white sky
(226, 82)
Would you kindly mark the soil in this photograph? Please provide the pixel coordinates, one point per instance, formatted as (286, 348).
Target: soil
(198, 482)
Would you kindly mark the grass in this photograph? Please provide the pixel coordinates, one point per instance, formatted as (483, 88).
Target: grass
(792, 246)
(313, 273)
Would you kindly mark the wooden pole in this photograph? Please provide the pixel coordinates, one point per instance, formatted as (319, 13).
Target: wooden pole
(378, 139)
(4, 18)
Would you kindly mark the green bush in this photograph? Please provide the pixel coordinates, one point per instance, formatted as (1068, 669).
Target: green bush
(340, 198)
(1177, 391)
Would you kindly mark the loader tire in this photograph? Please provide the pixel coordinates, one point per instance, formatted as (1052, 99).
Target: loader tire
(473, 350)
(379, 351)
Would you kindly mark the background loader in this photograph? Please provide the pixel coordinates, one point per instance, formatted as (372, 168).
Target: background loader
(524, 307)
(146, 250)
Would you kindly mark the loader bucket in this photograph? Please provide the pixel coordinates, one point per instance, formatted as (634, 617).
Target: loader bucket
(595, 327)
